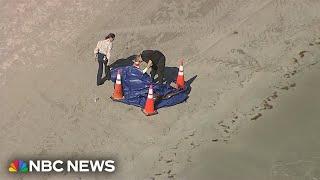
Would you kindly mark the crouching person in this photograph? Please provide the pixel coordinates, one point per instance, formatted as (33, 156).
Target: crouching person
(156, 61)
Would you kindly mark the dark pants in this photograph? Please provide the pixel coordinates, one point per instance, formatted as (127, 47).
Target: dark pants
(159, 69)
(102, 63)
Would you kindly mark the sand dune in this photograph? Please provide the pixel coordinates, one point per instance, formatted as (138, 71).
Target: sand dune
(245, 55)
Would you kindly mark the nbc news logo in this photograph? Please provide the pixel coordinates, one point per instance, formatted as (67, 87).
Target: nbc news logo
(45, 166)
(18, 166)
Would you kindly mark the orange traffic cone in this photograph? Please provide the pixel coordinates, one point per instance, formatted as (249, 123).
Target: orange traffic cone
(117, 93)
(149, 106)
(180, 78)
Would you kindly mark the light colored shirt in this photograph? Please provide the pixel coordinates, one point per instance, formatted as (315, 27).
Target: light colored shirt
(104, 47)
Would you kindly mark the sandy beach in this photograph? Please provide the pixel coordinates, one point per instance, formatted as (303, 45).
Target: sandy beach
(281, 145)
(253, 108)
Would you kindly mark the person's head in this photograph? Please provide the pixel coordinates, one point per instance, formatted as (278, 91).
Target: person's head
(137, 60)
(110, 36)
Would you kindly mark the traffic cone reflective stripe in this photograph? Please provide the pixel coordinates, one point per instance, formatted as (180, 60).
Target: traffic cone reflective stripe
(117, 93)
(149, 106)
(150, 94)
(118, 81)
(180, 78)
(180, 71)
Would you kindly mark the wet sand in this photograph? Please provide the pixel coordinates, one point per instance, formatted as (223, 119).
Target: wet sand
(282, 145)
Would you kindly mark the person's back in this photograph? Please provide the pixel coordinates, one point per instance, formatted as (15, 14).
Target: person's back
(153, 55)
(157, 63)
(104, 47)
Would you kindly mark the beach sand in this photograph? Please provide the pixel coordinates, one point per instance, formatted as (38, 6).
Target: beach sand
(252, 112)
(283, 144)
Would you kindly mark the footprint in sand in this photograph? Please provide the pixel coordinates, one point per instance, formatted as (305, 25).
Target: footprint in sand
(289, 86)
(266, 105)
(301, 54)
(256, 117)
(293, 85)
(274, 95)
(290, 74)
(169, 157)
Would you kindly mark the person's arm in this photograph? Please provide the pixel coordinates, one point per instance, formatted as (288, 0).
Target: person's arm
(109, 53)
(96, 50)
(148, 66)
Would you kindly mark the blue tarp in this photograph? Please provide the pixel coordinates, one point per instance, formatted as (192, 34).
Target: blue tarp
(135, 87)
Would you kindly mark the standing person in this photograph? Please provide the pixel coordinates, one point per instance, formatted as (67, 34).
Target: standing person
(102, 53)
(157, 61)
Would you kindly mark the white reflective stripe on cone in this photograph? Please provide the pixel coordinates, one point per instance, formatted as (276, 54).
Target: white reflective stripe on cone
(118, 81)
(150, 96)
(181, 68)
(150, 91)
(180, 73)
(118, 76)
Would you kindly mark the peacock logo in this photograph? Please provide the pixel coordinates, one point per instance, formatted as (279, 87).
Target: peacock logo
(18, 166)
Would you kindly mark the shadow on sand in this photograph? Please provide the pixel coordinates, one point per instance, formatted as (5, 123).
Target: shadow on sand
(171, 74)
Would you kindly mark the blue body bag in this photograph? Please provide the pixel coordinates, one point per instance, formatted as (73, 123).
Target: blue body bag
(135, 87)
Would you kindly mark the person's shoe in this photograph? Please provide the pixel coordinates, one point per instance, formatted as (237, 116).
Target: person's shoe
(100, 83)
